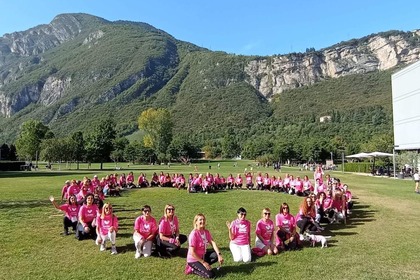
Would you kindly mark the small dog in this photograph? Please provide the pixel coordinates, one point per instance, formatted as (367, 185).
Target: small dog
(314, 238)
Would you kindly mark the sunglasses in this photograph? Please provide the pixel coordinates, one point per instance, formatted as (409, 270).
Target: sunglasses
(170, 209)
(146, 211)
(267, 213)
(285, 208)
(242, 213)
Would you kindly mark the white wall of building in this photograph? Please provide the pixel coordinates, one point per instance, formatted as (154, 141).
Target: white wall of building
(406, 107)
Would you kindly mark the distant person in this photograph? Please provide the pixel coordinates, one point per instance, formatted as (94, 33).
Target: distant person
(416, 178)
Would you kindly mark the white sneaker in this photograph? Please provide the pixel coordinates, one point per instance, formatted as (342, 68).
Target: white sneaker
(103, 248)
(114, 250)
(301, 237)
(137, 255)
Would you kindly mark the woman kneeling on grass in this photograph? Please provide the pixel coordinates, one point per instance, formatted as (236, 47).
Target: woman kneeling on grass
(265, 234)
(199, 259)
(145, 230)
(71, 210)
(107, 228)
(286, 229)
(86, 228)
(169, 240)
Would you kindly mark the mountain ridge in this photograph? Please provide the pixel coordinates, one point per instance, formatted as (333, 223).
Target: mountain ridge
(81, 63)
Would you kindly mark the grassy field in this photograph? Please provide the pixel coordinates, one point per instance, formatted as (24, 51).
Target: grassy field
(379, 241)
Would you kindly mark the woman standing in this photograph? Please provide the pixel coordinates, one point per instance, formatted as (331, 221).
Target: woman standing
(169, 240)
(71, 210)
(199, 259)
(107, 228)
(265, 233)
(240, 237)
(145, 230)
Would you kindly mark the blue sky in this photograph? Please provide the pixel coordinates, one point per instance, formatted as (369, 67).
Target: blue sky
(263, 27)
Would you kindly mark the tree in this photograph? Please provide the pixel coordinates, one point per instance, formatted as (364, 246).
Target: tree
(119, 148)
(4, 151)
(230, 147)
(77, 147)
(157, 124)
(100, 143)
(54, 149)
(29, 140)
(182, 149)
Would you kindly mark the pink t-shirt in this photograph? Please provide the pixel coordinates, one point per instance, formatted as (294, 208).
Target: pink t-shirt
(286, 222)
(265, 229)
(72, 211)
(298, 185)
(145, 228)
(73, 190)
(88, 213)
(106, 223)
(337, 204)
(168, 228)
(130, 178)
(199, 240)
(239, 180)
(240, 230)
(327, 203)
(249, 180)
(64, 193)
(259, 180)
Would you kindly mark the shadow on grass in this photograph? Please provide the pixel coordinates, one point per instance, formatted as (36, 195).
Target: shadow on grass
(242, 268)
(29, 174)
(24, 204)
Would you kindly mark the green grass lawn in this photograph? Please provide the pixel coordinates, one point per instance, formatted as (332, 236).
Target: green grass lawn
(379, 241)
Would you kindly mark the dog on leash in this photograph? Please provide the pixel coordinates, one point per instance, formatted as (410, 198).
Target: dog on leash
(314, 238)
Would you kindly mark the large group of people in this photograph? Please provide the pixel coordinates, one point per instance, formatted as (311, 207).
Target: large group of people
(90, 216)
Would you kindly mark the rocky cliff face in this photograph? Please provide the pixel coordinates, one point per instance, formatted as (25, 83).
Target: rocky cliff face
(273, 75)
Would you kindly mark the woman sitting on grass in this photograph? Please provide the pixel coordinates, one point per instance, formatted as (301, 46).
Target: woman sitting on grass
(199, 259)
(169, 239)
(338, 209)
(71, 210)
(86, 228)
(107, 228)
(240, 237)
(306, 217)
(265, 234)
(145, 230)
(286, 229)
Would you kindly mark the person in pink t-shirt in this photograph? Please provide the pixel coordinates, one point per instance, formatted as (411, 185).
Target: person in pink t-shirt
(240, 237)
(199, 258)
(64, 194)
(145, 230)
(86, 228)
(265, 234)
(74, 188)
(169, 240)
(305, 219)
(287, 237)
(71, 210)
(107, 228)
(248, 181)
(349, 199)
(238, 181)
(230, 182)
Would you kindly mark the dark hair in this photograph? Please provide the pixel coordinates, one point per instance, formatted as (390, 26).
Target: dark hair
(241, 210)
(146, 207)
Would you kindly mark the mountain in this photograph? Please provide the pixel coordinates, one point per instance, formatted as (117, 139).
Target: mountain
(80, 68)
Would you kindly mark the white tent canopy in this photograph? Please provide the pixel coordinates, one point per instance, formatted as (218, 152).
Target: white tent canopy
(359, 155)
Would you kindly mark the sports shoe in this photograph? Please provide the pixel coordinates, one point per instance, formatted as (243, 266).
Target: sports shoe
(301, 237)
(114, 250)
(137, 255)
(188, 269)
(103, 248)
